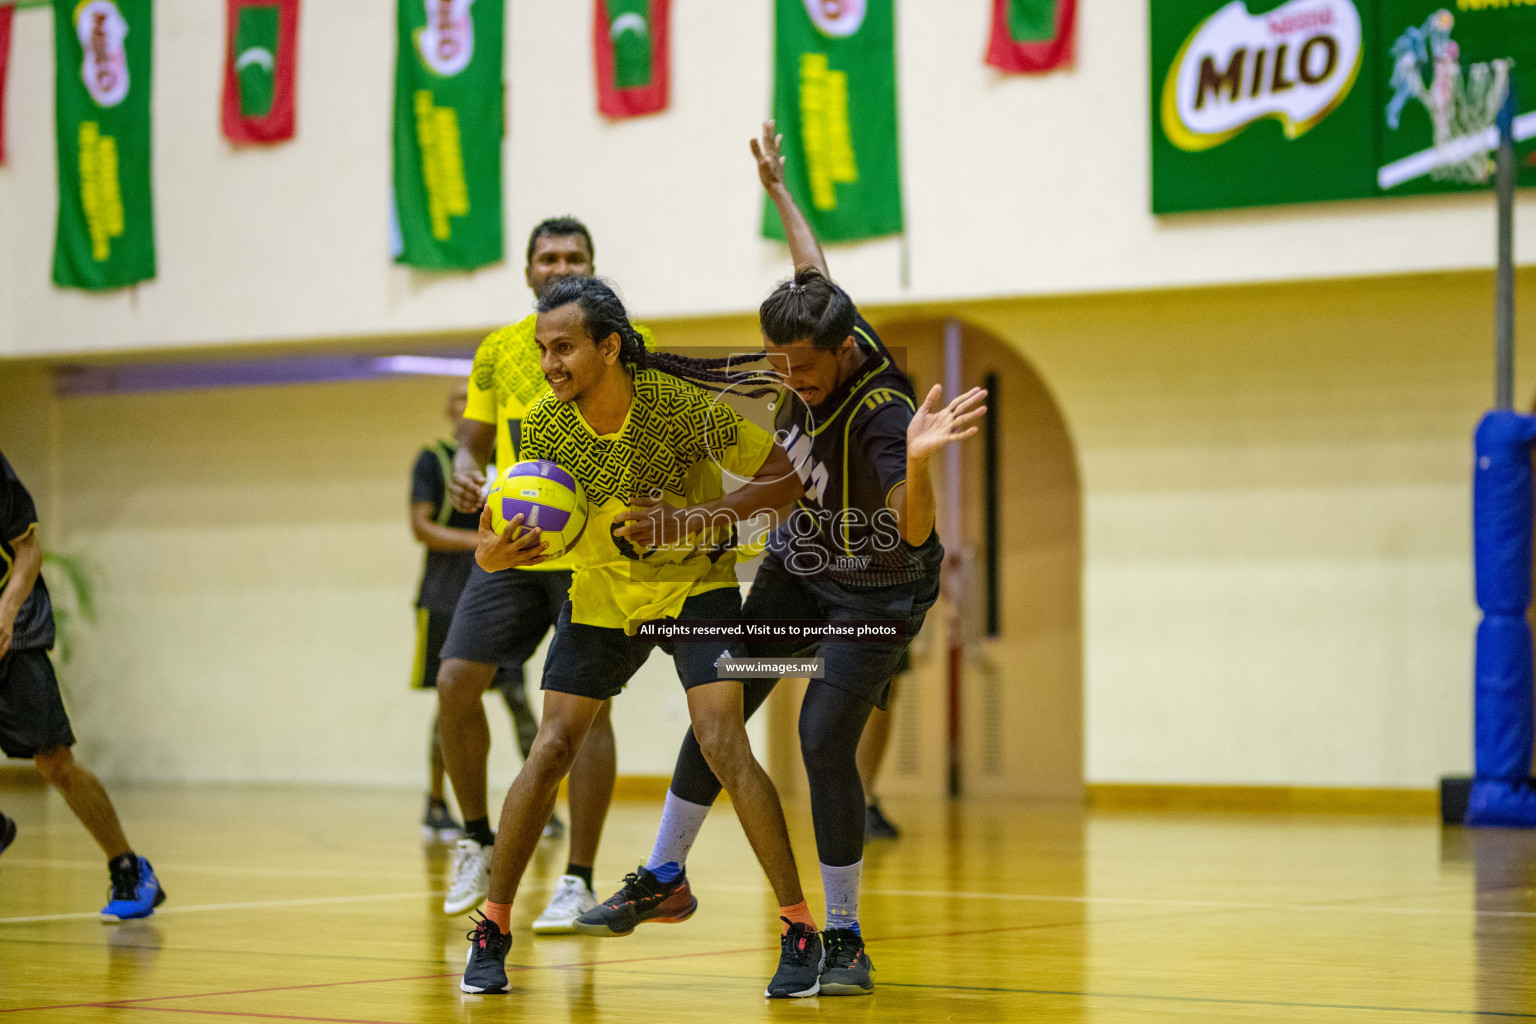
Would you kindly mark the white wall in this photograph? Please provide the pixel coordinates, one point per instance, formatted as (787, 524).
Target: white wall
(1014, 186)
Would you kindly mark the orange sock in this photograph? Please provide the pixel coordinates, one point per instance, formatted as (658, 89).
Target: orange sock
(500, 914)
(797, 914)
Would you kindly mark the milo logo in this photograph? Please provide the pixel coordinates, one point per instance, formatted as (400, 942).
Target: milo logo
(837, 18)
(448, 42)
(102, 29)
(1295, 64)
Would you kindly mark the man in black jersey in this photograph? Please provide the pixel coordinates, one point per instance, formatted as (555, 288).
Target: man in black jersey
(33, 723)
(859, 544)
(449, 537)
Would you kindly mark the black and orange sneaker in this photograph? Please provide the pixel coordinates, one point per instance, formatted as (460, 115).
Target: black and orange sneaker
(801, 958)
(642, 897)
(848, 970)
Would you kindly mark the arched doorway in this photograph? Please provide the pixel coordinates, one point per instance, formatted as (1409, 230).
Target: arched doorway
(993, 704)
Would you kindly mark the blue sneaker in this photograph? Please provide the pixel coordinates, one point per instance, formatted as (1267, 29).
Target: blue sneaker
(135, 892)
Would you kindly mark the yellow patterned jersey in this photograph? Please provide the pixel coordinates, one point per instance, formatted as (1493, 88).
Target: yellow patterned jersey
(506, 381)
(676, 443)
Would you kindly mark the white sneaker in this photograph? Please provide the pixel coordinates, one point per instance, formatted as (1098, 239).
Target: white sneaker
(470, 881)
(572, 898)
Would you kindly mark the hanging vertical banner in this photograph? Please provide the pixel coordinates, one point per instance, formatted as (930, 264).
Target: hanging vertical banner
(448, 126)
(5, 58)
(629, 40)
(834, 98)
(1031, 35)
(260, 54)
(102, 52)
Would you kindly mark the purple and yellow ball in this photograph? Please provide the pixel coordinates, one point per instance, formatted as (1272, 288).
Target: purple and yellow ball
(547, 497)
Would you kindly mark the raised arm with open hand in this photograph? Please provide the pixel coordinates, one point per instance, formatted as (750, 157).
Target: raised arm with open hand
(803, 247)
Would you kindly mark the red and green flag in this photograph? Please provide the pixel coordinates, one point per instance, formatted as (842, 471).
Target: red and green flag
(6, 11)
(102, 67)
(448, 128)
(261, 51)
(834, 98)
(1031, 35)
(629, 40)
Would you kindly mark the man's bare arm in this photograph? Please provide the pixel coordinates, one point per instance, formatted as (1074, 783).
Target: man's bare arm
(477, 443)
(803, 247)
(437, 537)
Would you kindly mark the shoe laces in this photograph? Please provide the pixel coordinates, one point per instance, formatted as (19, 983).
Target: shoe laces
(485, 936)
(843, 947)
(125, 885)
(795, 945)
(635, 888)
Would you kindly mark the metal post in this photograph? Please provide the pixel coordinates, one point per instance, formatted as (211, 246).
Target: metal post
(1504, 386)
(954, 538)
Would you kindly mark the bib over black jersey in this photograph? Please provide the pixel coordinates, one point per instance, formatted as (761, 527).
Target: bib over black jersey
(851, 453)
(445, 572)
(18, 519)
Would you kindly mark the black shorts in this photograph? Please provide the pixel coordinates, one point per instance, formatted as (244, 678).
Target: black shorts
(32, 716)
(862, 669)
(431, 631)
(501, 617)
(596, 662)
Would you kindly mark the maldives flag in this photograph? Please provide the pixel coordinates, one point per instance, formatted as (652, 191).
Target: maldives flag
(5, 58)
(259, 59)
(1031, 35)
(629, 39)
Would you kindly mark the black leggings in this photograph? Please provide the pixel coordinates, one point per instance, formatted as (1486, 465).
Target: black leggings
(831, 722)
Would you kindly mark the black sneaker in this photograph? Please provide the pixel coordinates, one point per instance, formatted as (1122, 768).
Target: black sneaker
(485, 965)
(800, 961)
(877, 825)
(848, 971)
(642, 897)
(7, 832)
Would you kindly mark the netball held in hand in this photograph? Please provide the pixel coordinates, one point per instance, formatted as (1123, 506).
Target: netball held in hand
(547, 497)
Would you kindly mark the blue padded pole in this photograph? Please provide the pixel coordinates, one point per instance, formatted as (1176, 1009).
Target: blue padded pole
(1505, 688)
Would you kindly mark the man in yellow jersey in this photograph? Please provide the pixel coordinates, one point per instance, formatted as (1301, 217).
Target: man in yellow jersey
(501, 619)
(650, 448)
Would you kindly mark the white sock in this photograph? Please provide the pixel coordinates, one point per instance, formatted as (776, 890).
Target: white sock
(841, 886)
(681, 821)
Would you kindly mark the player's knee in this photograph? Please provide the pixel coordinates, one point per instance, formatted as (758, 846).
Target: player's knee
(555, 747)
(460, 683)
(824, 751)
(724, 747)
(53, 765)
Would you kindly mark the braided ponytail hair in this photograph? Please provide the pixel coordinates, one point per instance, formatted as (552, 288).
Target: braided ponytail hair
(605, 314)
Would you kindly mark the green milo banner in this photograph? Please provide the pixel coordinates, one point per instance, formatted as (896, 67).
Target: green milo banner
(102, 60)
(834, 99)
(447, 136)
(1256, 103)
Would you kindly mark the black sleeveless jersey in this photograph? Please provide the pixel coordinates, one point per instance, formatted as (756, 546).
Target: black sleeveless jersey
(33, 628)
(851, 453)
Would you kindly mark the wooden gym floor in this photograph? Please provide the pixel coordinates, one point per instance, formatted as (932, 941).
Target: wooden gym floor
(320, 905)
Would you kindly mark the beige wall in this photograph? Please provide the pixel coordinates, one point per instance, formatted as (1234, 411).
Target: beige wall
(1014, 185)
(1277, 568)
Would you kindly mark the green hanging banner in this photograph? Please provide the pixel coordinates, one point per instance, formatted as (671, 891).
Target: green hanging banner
(102, 62)
(834, 98)
(448, 127)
